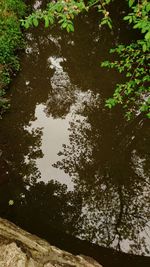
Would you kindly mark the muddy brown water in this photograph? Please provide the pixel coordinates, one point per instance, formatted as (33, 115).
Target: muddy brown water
(79, 174)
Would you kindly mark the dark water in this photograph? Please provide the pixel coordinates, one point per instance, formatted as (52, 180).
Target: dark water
(79, 175)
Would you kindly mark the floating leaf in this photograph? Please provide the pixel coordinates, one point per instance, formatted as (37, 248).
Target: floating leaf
(11, 202)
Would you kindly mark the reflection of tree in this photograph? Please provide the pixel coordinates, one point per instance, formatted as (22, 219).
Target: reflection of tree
(48, 209)
(62, 95)
(59, 102)
(104, 167)
(52, 206)
(23, 163)
(19, 147)
(18, 170)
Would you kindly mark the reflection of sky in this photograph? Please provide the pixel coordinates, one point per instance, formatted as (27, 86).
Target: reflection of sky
(55, 133)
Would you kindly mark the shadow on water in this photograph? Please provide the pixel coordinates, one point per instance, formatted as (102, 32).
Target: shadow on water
(78, 174)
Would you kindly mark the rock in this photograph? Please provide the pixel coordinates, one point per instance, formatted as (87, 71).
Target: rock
(18, 248)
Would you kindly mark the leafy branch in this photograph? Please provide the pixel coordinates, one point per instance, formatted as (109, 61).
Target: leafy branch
(134, 93)
(64, 12)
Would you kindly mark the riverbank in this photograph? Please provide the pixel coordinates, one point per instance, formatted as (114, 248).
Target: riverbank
(11, 41)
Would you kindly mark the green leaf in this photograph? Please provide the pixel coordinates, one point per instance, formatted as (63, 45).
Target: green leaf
(128, 115)
(59, 7)
(51, 19)
(26, 25)
(148, 7)
(126, 17)
(147, 36)
(35, 22)
(105, 63)
(144, 47)
(71, 27)
(107, 1)
(148, 115)
(64, 25)
(68, 29)
(104, 21)
(111, 102)
(46, 21)
(109, 24)
(144, 108)
(131, 2)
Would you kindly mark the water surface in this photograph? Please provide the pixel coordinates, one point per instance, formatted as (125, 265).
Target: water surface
(78, 173)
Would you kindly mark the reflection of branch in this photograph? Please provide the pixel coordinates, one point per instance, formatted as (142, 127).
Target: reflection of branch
(148, 225)
(119, 216)
(143, 180)
(124, 138)
(147, 233)
(121, 205)
(108, 232)
(141, 218)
